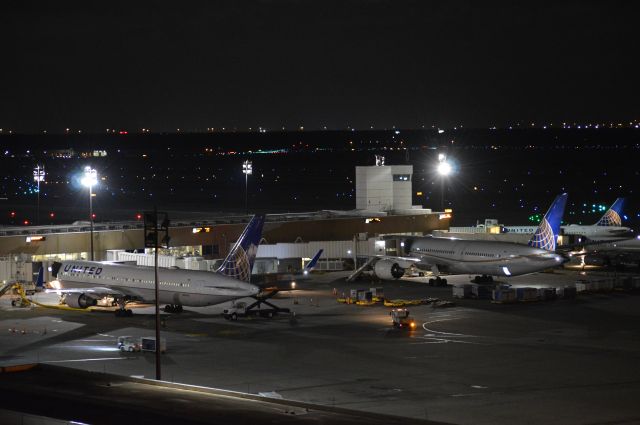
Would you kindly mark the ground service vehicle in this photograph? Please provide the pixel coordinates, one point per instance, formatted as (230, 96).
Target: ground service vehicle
(241, 309)
(146, 343)
(401, 319)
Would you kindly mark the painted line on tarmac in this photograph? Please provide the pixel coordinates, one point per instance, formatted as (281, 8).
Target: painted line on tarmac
(424, 326)
(86, 360)
(438, 337)
(431, 340)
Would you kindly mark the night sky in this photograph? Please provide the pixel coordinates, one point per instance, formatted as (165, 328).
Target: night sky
(192, 65)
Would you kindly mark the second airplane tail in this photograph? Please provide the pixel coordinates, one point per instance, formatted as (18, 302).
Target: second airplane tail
(612, 216)
(311, 265)
(239, 261)
(546, 235)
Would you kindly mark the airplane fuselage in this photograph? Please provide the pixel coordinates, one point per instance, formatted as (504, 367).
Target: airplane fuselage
(455, 256)
(180, 287)
(594, 232)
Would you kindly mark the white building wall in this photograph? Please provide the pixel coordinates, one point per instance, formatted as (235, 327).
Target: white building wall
(376, 189)
(332, 249)
(402, 189)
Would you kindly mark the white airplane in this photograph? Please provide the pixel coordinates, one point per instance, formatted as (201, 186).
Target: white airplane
(609, 227)
(483, 258)
(84, 282)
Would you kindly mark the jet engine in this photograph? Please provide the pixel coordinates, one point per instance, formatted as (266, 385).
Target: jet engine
(387, 270)
(79, 300)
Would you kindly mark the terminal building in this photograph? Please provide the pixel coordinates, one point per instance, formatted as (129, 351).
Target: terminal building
(383, 207)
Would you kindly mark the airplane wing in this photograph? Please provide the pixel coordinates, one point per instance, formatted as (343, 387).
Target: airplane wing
(97, 291)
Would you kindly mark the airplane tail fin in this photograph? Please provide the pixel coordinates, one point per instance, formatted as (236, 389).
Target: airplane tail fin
(612, 216)
(310, 266)
(239, 261)
(40, 280)
(546, 235)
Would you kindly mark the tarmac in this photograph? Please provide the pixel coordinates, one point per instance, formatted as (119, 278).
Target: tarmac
(552, 362)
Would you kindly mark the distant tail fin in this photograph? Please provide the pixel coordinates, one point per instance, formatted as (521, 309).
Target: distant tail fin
(612, 216)
(313, 261)
(239, 261)
(546, 234)
(40, 281)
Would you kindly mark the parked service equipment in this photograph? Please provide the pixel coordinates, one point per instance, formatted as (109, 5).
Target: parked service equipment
(241, 309)
(527, 294)
(462, 291)
(504, 295)
(480, 292)
(146, 343)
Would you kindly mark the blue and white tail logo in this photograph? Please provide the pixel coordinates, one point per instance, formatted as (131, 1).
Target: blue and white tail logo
(546, 235)
(612, 216)
(239, 261)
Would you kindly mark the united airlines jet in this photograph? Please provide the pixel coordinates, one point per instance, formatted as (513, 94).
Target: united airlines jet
(84, 282)
(485, 258)
(608, 228)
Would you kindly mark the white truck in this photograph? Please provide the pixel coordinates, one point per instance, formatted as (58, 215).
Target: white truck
(146, 343)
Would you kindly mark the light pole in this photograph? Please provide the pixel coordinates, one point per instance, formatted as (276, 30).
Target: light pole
(152, 239)
(247, 169)
(89, 180)
(38, 176)
(444, 169)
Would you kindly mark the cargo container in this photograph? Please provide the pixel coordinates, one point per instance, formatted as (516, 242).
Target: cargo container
(567, 292)
(585, 286)
(527, 294)
(506, 295)
(481, 292)
(547, 293)
(462, 291)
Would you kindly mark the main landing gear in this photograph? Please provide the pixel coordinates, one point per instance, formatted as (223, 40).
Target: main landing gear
(483, 279)
(173, 308)
(438, 281)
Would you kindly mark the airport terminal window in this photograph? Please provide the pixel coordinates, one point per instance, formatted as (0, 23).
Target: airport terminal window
(401, 177)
